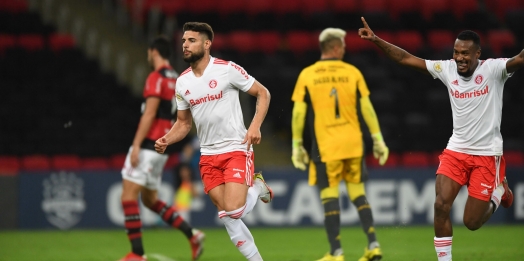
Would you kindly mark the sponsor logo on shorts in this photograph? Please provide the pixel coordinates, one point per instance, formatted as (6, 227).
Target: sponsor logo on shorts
(237, 175)
(485, 192)
(235, 169)
(484, 185)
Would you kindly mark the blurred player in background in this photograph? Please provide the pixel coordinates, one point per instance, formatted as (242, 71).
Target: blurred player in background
(208, 93)
(473, 156)
(143, 167)
(328, 93)
(184, 190)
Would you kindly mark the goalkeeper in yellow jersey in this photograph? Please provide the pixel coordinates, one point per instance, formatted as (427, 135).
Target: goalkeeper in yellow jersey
(328, 92)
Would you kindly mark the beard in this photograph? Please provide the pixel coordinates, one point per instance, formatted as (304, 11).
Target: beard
(193, 57)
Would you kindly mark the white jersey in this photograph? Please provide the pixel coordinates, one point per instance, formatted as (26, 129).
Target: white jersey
(476, 104)
(215, 106)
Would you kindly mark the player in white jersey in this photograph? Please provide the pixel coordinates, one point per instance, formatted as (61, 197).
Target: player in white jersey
(473, 156)
(208, 93)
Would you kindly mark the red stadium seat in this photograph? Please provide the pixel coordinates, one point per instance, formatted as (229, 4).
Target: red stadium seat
(345, 6)
(514, 158)
(65, 162)
(393, 161)
(268, 41)
(202, 6)
(411, 41)
(501, 7)
(287, 6)
(31, 42)
(398, 7)
(219, 41)
(373, 6)
(356, 44)
(170, 7)
(13, 6)
(500, 39)
(439, 40)
(9, 165)
(36, 163)
(59, 42)
(463, 6)
(6, 42)
(242, 41)
(259, 6)
(429, 7)
(94, 164)
(226, 7)
(318, 6)
(117, 161)
(415, 159)
(302, 41)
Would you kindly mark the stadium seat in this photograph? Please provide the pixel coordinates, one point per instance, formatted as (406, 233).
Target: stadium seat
(438, 15)
(407, 14)
(514, 158)
(439, 40)
(355, 44)
(220, 42)
(377, 14)
(411, 41)
(9, 165)
(13, 6)
(502, 7)
(460, 8)
(65, 162)
(117, 161)
(35, 163)
(170, 8)
(499, 40)
(31, 42)
(94, 164)
(6, 42)
(242, 41)
(415, 159)
(58, 42)
(268, 41)
(515, 22)
(261, 15)
(302, 41)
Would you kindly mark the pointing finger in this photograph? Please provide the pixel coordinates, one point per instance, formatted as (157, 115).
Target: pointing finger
(364, 22)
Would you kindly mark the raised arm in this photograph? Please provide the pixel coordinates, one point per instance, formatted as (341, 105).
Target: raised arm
(179, 130)
(515, 63)
(394, 52)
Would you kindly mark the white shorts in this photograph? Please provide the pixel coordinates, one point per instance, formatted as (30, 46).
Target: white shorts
(148, 173)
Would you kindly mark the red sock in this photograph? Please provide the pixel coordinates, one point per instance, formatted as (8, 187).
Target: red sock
(133, 225)
(171, 217)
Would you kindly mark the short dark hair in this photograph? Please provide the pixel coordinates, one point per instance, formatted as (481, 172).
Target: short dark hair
(468, 35)
(199, 27)
(162, 45)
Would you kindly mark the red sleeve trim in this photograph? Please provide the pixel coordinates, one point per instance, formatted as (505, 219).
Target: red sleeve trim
(186, 71)
(220, 61)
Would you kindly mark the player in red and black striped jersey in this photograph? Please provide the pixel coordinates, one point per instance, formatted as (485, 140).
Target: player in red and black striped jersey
(142, 171)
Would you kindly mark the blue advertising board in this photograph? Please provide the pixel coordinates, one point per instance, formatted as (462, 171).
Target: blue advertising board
(85, 199)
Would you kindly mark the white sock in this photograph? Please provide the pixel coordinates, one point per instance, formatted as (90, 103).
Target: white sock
(240, 235)
(251, 201)
(256, 257)
(443, 248)
(497, 195)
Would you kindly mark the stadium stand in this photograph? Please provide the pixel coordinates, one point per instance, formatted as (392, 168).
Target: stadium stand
(81, 111)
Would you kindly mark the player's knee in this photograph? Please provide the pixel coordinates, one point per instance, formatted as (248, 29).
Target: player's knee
(441, 207)
(149, 202)
(472, 223)
(233, 206)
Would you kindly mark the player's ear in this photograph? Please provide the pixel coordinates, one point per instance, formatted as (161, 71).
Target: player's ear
(207, 44)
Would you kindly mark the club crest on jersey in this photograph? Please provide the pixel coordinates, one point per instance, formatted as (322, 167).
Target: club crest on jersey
(437, 66)
(207, 98)
(213, 84)
(478, 79)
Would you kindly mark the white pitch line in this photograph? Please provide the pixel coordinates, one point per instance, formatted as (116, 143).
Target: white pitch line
(161, 257)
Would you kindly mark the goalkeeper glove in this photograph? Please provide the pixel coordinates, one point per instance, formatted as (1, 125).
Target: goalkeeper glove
(300, 158)
(380, 151)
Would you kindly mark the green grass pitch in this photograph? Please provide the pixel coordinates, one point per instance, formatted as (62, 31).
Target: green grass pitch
(275, 244)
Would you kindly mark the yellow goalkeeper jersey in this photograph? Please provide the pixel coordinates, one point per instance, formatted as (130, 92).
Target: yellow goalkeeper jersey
(331, 88)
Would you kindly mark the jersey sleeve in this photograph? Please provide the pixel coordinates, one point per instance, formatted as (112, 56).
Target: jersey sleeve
(181, 103)
(361, 84)
(153, 85)
(239, 78)
(498, 68)
(300, 88)
(438, 69)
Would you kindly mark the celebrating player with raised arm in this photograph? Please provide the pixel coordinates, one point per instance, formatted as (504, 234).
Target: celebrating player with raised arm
(473, 156)
(208, 93)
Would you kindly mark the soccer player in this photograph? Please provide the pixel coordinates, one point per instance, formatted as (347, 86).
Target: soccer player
(208, 93)
(328, 93)
(142, 171)
(473, 156)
